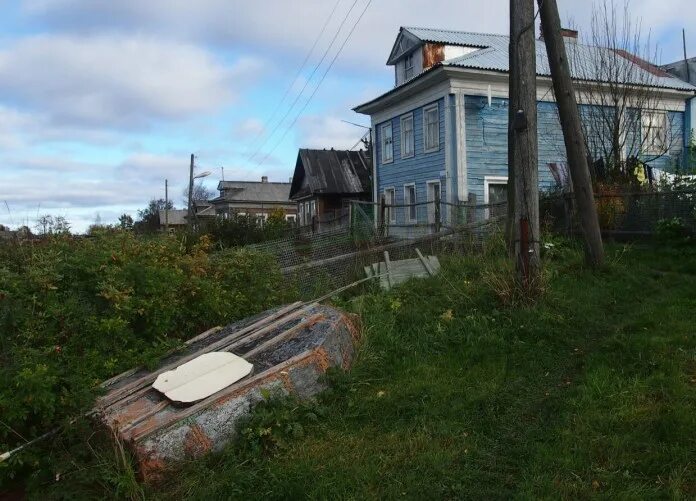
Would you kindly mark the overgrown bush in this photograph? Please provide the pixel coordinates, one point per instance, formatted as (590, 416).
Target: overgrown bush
(74, 312)
(240, 230)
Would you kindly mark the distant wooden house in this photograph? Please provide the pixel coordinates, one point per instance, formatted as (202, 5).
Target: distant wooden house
(253, 198)
(325, 181)
(176, 219)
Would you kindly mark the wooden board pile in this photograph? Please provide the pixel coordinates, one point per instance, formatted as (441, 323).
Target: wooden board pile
(392, 273)
(289, 349)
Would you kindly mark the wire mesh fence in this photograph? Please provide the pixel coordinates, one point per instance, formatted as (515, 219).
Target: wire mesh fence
(322, 258)
(627, 214)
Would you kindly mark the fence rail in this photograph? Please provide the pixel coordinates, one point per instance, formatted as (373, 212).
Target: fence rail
(334, 254)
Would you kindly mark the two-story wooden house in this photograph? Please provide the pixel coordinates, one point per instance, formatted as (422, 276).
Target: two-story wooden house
(441, 132)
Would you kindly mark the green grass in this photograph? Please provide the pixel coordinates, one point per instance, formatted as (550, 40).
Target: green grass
(589, 392)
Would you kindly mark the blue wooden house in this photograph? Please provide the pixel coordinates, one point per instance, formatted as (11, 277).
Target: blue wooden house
(441, 132)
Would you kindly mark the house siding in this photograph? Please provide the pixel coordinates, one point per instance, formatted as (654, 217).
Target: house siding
(419, 169)
(486, 142)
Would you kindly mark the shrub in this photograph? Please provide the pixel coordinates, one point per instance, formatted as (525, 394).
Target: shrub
(74, 312)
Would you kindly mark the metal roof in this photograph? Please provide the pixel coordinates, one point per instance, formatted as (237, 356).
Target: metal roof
(465, 38)
(493, 55)
(583, 64)
(338, 172)
(254, 191)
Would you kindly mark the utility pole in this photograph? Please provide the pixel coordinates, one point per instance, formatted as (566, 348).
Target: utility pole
(189, 213)
(524, 149)
(513, 105)
(572, 131)
(166, 205)
(686, 60)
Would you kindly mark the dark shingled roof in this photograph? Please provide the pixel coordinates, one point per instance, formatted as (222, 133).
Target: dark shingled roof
(331, 172)
(253, 191)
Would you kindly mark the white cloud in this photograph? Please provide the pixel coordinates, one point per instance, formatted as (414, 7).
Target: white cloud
(116, 81)
(286, 27)
(326, 131)
(249, 128)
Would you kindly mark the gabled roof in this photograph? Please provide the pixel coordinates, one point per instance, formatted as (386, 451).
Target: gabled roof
(336, 172)
(176, 217)
(253, 191)
(493, 55)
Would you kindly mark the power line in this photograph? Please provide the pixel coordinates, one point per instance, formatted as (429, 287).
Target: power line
(304, 87)
(297, 75)
(340, 49)
(353, 123)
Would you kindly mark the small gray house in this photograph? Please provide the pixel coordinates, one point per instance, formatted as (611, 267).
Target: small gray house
(254, 198)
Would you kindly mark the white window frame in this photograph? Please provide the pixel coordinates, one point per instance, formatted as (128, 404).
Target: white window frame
(408, 69)
(431, 208)
(426, 109)
(487, 181)
(408, 202)
(290, 218)
(648, 143)
(392, 210)
(405, 118)
(383, 141)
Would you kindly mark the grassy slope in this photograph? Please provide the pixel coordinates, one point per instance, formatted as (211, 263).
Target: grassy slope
(592, 390)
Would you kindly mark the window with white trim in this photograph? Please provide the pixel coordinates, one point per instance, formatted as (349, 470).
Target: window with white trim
(495, 195)
(410, 201)
(389, 201)
(387, 143)
(431, 128)
(654, 125)
(408, 66)
(407, 142)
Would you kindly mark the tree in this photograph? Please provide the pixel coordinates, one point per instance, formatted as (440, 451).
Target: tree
(200, 192)
(149, 217)
(619, 118)
(572, 133)
(125, 222)
(52, 225)
(523, 154)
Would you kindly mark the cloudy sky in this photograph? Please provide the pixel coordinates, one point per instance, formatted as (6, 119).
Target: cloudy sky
(101, 100)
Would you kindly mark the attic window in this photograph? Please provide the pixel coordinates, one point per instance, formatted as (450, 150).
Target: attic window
(408, 67)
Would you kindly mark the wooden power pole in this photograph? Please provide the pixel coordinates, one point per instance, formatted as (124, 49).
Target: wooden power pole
(189, 213)
(572, 130)
(166, 205)
(524, 148)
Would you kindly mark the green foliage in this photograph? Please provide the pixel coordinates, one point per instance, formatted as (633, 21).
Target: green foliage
(672, 231)
(149, 221)
(238, 230)
(125, 222)
(588, 392)
(275, 422)
(74, 312)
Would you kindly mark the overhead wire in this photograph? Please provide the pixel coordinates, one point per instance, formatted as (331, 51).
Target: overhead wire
(304, 107)
(306, 84)
(298, 73)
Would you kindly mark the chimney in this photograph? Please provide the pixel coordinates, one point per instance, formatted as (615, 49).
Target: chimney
(264, 179)
(569, 36)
